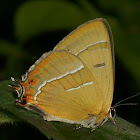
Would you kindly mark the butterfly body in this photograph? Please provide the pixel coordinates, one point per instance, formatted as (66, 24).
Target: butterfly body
(74, 82)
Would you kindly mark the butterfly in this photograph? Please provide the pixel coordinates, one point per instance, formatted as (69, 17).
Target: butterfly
(74, 82)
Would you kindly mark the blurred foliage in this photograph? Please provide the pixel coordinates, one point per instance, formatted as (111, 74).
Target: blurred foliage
(28, 28)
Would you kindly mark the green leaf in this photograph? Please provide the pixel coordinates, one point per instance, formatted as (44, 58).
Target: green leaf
(7, 117)
(33, 17)
(63, 131)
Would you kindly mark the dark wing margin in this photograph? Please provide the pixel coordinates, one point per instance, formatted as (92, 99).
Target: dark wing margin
(112, 45)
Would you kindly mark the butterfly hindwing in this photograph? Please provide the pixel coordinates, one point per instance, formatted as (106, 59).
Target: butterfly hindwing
(67, 89)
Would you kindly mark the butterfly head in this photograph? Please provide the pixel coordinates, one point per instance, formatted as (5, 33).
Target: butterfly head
(21, 100)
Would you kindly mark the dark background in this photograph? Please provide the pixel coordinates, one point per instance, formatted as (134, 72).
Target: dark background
(30, 28)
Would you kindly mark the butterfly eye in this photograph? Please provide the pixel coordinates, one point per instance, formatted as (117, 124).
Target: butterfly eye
(21, 101)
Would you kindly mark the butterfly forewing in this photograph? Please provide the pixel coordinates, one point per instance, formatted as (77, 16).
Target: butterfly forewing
(92, 42)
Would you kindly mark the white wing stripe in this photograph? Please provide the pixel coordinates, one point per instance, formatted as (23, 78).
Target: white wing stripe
(102, 41)
(88, 83)
(63, 75)
(39, 90)
(56, 78)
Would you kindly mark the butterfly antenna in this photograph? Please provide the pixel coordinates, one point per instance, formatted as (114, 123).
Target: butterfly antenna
(118, 104)
(124, 104)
